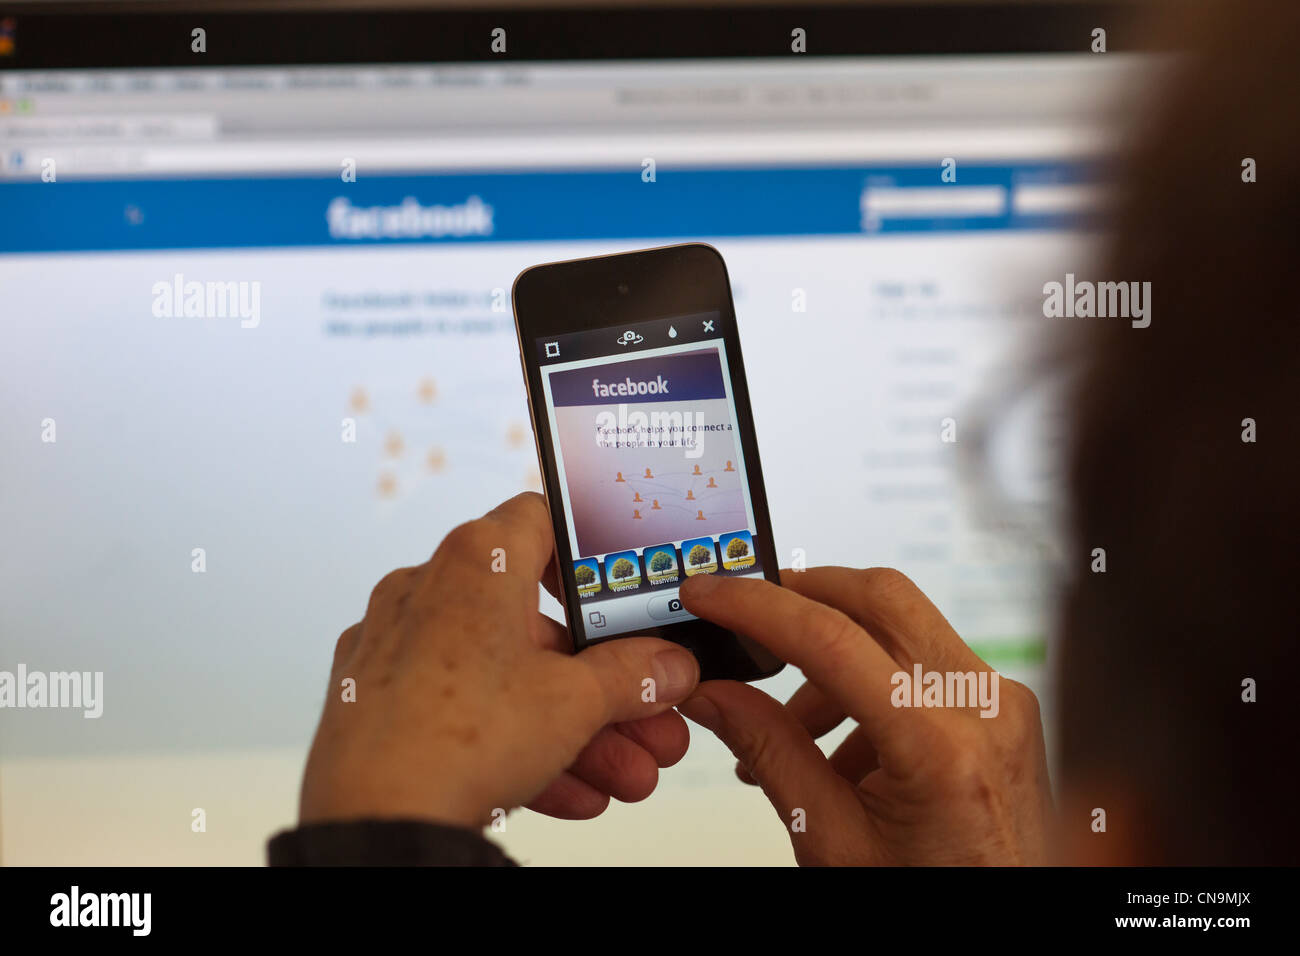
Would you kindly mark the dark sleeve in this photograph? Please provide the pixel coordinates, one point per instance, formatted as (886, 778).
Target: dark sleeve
(383, 843)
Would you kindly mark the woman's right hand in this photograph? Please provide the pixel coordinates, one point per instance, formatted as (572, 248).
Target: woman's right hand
(909, 785)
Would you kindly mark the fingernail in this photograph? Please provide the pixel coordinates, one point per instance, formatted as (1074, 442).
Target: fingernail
(676, 674)
(702, 711)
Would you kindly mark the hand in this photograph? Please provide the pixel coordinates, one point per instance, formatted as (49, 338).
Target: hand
(465, 702)
(909, 785)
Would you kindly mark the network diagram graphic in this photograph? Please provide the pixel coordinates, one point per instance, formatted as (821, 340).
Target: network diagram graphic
(684, 500)
(416, 436)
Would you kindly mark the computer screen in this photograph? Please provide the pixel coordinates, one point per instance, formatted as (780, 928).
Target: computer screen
(259, 352)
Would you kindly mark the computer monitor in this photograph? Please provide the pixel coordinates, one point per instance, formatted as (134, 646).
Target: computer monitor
(258, 352)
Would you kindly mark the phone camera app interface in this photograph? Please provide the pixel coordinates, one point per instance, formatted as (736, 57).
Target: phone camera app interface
(652, 476)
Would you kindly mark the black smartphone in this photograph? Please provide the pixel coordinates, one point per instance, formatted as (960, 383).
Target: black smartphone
(637, 394)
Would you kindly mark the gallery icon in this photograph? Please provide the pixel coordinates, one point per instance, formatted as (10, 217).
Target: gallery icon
(596, 619)
(552, 349)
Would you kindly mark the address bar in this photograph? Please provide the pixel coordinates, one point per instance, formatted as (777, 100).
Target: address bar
(127, 128)
(626, 150)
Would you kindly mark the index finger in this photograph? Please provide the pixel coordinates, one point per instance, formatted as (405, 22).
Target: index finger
(893, 610)
(827, 645)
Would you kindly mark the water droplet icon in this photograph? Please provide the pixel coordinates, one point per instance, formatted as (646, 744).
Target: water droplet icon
(672, 332)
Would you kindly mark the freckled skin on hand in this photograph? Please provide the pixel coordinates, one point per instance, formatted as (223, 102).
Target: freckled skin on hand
(468, 734)
(467, 703)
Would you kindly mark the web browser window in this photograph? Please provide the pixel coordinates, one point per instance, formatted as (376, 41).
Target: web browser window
(264, 314)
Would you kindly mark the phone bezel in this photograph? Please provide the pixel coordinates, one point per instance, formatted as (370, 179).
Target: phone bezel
(578, 295)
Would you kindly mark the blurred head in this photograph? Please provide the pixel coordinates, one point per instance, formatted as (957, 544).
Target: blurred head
(1200, 527)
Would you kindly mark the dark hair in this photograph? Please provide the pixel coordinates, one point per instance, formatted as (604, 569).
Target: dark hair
(1200, 527)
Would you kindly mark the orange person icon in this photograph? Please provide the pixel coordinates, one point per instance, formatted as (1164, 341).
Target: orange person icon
(637, 497)
(636, 513)
(690, 495)
(620, 477)
(655, 506)
(647, 473)
(712, 483)
(699, 515)
(697, 471)
(729, 466)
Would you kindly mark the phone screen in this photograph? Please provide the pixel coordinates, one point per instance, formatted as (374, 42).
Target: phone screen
(651, 469)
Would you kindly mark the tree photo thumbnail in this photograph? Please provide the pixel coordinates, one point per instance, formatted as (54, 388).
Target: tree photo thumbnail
(737, 548)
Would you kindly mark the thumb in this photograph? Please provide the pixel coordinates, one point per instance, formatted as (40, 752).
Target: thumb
(640, 676)
(778, 752)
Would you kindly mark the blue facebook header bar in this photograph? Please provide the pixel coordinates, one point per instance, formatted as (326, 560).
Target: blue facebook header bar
(71, 215)
(684, 377)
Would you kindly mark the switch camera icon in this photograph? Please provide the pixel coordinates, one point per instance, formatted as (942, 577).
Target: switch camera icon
(630, 338)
